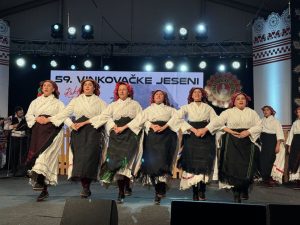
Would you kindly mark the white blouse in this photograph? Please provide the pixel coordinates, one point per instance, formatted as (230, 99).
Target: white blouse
(271, 125)
(155, 112)
(43, 106)
(114, 111)
(88, 106)
(192, 112)
(235, 118)
(295, 129)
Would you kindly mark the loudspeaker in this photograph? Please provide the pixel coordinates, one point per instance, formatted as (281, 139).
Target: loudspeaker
(90, 212)
(188, 212)
(279, 214)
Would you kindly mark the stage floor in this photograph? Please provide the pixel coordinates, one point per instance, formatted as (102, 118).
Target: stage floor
(18, 205)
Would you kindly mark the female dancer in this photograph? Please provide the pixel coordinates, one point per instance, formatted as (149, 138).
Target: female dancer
(293, 144)
(123, 142)
(159, 143)
(86, 142)
(198, 153)
(271, 137)
(239, 152)
(46, 139)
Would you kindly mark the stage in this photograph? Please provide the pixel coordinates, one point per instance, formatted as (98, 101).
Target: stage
(18, 204)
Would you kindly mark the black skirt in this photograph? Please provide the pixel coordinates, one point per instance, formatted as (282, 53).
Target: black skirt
(87, 144)
(294, 157)
(158, 151)
(198, 153)
(122, 147)
(267, 155)
(42, 136)
(238, 160)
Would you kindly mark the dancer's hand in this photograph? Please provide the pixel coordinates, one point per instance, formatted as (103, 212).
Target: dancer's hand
(244, 134)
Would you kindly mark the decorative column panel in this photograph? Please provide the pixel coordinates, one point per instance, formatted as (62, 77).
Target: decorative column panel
(271, 40)
(4, 67)
(295, 25)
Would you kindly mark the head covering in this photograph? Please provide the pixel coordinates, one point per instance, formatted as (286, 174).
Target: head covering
(54, 85)
(234, 95)
(203, 92)
(95, 84)
(128, 86)
(166, 99)
(273, 112)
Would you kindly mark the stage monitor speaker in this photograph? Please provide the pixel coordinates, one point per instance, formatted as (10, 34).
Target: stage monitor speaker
(188, 212)
(283, 214)
(90, 212)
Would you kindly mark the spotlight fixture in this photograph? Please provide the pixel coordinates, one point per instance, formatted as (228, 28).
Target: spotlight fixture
(21, 62)
(71, 32)
(183, 67)
(148, 67)
(201, 31)
(221, 68)
(169, 33)
(73, 67)
(53, 63)
(106, 67)
(87, 31)
(88, 63)
(183, 33)
(202, 65)
(236, 65)
(57, 30)
(33, 66)
(169, 65)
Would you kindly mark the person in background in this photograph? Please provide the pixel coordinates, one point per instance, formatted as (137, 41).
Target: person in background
(293, 145)
(271, 138)
(46, 139)
(17, 142)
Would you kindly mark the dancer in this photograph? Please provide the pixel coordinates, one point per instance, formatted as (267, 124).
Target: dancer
(271, 138)
(46, 139)
(159, 143)
(86, 142)
(123, 143)
(198, 153)
(293, 144)
(239, 151)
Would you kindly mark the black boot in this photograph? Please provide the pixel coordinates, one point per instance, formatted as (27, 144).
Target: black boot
(237, 196)
(128, 190)
(202, 189)
(121, 195)
(40, 183)
(195, 193)
(43, 195)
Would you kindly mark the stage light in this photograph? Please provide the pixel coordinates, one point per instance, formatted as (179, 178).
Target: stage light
(57, 30)
(221, 68)
(201, 31)
(148, 67)
(87, 63)
(169, 65)
(169, 33)
(236, 65)
(202, 65)
(21, 62)
(183, 67)
(106, 67)
(33, 66)
(53, 63)
(71, 32)
(87, 31)
(73, 67)
(183, 33)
